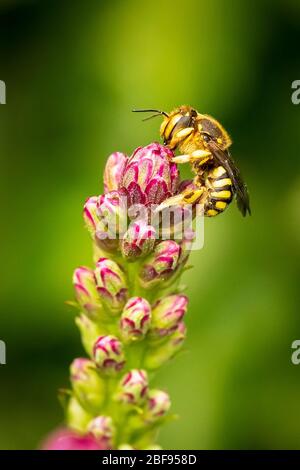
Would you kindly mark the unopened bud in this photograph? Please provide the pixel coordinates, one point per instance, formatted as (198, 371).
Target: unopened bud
(111, 284)
(88, 386)
(159, 354)
(178, 337)
(138, 241)
(90, 214)
(134, 387)
(158, 404)
(167, 313)
(162, 264)
(114, 170)
(103, 430)
(149, 176)
(112, 214)
(108, 354)
(135, 319)
(86, 291)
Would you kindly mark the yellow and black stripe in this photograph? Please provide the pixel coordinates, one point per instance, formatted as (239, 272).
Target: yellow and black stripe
(219, 191)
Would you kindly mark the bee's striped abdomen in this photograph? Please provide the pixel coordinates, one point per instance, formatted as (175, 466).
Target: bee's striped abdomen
(219, 191)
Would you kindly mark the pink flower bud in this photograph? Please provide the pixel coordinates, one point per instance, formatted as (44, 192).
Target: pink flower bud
(159, 354)
(86, 290)
(90, 214)
(149, 176)
(177, 338)
(108, 354)
(167, 313)
(162, 263)
(134, 387)
(139, 240)
(112, 214)
(111, 284)
(68, 439)
(79, 369)
(88, 386)
(113, 171)
(103, 430)
(135, 319)
(158, 404)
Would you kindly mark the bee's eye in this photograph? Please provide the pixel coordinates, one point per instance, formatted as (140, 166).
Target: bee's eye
(206, 137)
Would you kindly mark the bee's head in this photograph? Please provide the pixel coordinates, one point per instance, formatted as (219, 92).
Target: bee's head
(177, 126)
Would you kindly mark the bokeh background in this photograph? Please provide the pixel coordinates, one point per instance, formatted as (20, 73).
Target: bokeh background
(73, 72)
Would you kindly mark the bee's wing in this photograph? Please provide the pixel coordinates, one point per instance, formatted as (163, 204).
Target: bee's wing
(224, 158)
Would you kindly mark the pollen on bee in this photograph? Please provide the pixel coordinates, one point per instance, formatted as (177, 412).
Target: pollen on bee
(221, 205)
(221, 194)
(184, 132)
(163, 126)
(170, 124)
(192, 196)
(211, 212)
(222, 183)
(219, 171)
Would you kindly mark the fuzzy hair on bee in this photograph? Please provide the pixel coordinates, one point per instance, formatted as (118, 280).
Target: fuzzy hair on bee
(204, 143)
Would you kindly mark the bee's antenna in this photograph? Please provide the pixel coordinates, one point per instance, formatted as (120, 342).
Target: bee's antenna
(156, 111)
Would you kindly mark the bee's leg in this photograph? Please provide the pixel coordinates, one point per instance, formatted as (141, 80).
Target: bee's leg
(188, 196)
(179, 136)
(171, 201)
(199, 156)
(191, 196)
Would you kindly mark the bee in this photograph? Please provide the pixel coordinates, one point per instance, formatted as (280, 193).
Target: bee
(204, 143)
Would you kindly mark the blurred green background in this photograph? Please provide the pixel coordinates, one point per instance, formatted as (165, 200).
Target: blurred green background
(73, 72)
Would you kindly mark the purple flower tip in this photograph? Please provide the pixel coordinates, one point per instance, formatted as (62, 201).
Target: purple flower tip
(113, 171)
(67, 439)
(149, 175)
